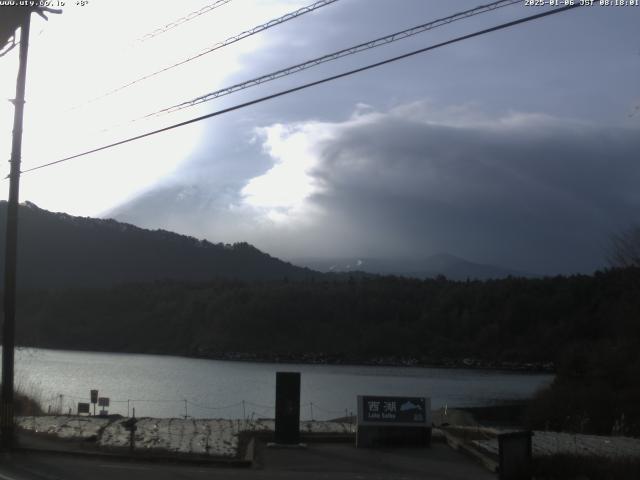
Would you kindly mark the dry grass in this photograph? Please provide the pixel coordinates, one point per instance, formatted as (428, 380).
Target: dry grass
(25, 405)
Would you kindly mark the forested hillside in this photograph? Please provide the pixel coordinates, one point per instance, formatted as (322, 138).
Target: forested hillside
(59, 250)
(503, 320)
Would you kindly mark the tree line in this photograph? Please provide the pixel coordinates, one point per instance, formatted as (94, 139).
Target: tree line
(588, 325)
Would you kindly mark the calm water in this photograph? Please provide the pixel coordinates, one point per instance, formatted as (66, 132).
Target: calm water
(159, 385)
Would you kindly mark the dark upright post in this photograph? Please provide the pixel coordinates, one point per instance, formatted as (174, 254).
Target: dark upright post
(515, 452)
(11, 247)
(287, 408)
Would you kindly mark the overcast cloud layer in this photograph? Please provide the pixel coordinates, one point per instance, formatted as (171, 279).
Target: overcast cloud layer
(518, 148)
(529, 191)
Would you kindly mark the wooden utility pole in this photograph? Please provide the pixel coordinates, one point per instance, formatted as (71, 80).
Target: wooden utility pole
(11, 248)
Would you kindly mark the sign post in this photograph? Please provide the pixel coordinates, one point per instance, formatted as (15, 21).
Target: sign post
(103, 403)
(94, 400)
(83, 408)
(386, 420)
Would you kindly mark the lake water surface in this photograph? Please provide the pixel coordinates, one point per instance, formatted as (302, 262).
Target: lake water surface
(162, 386)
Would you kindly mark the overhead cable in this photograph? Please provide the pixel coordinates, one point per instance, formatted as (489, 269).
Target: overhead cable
(311, 84)
(236, 38)
(336, 55)
(185, 19)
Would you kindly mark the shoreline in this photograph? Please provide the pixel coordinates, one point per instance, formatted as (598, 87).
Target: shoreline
(383, 361)
(467, 363)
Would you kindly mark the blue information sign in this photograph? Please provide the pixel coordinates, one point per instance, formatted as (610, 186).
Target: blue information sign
(394, 409)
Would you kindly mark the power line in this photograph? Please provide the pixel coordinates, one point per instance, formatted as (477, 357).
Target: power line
(222, 44)
(326, 58)
(335, 55)
(311, 84)
(182, 20)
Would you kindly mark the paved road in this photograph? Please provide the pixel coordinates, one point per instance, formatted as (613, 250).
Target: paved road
(318, 461)
(31, 466)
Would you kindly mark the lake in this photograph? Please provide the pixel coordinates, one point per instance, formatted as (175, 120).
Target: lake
(167, 386)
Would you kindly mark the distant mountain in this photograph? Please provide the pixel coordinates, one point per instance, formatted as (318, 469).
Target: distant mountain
(452, 267)
(60, 250)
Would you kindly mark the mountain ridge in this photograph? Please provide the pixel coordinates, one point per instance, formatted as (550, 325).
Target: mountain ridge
(61, 250)
(446, 264)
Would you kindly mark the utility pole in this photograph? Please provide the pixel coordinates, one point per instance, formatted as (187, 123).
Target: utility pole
(15, 16)
(11, 248)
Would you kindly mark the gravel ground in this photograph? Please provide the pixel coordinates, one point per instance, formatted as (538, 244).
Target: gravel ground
(81, 428)
(215, 437)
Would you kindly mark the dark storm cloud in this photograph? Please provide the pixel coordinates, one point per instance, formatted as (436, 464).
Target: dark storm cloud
(529, 192)
(533, 192)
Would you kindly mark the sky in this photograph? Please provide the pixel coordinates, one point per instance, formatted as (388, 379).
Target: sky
(518, 148)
